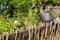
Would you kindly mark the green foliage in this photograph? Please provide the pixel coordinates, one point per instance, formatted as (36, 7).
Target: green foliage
(24, 11)
(55, 15)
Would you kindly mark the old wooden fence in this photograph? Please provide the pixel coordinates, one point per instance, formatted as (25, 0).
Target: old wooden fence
(49, 31)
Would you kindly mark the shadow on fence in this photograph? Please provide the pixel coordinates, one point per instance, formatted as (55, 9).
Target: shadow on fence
(41, 32)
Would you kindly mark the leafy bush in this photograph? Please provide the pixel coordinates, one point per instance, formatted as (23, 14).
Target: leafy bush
(55, 15)
(24, 11)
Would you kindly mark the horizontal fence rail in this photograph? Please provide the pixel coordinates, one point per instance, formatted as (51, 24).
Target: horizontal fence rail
(44, 31)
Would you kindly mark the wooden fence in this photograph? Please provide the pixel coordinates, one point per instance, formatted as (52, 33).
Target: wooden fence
(49, 31)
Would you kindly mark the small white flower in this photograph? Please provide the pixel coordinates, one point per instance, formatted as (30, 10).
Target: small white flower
(16, 22)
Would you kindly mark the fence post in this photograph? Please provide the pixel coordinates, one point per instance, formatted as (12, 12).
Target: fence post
(40, 37)
(50, 30)
(7, 36)
(0, 36)
(35, 32)
(50, 25)
(32, 35)
(16, 34)
(29, 33)
(19, 35)
(46, 31)
(58, 25)
(38, 32)
(3, 36)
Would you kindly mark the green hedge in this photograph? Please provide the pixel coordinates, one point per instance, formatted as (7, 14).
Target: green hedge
(24, 11)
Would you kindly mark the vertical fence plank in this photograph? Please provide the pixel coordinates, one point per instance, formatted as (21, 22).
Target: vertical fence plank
(32, 34)
(29, 33)
(35, 33)
(7, 36)
(19, 35)
(53, 31)
(46, 31)
(22, 36)
(0, 36)
(19, 38)
(51, 25)
(38, 32)
(16, 34)
(3, 36)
